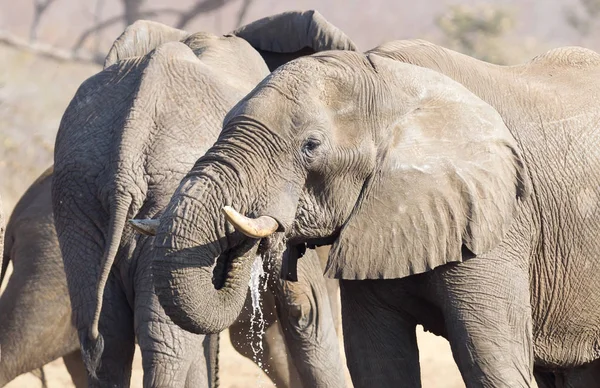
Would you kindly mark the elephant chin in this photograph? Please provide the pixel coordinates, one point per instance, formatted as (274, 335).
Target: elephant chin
(295, 249)
(204, 296)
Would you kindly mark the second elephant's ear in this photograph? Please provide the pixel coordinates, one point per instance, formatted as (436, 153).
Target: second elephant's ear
(140, 38)
(448, 179)
(289, 35)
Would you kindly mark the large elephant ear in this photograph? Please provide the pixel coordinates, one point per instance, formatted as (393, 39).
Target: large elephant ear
(140, 38)
(448, 180)
(283, 37)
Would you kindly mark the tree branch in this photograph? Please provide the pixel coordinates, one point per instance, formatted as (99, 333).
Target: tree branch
(39, 7)
(44, 50)
(200, 7)
(97, 17)
(132, 10)
(242, 12)
(116, 19)
(185, 17)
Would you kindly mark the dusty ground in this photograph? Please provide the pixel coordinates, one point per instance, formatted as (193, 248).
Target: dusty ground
(437, 369)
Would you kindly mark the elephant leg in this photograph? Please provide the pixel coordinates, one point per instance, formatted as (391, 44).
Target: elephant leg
(171, 356)
(583, 376)
(333, 288)
(487, 312)
(76, 369)
(545, 379)
(206, 368)
(380, 342)
(35, 320)
(116, 327)
(306, 318)
(274, 359)
(278, 358)
(579, 377)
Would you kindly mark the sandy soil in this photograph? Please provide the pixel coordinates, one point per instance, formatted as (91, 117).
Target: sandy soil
(437, 368)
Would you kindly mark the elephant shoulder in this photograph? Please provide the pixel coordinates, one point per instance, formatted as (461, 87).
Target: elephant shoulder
(426, 54)
(404, 50)
(570, 57)
(173, 62)
(172, 52)
(394, 45)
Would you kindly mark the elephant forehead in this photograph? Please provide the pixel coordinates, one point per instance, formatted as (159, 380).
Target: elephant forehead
(282, 101)
(333, 78)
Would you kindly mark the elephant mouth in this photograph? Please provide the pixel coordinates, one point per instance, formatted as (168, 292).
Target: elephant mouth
(274, 243)
(295, 249)
(270, 248)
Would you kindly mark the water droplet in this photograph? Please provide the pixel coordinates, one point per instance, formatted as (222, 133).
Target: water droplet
(258, 284)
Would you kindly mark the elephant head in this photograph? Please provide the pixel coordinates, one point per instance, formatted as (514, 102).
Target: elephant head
(157, 81)
(277, 38)
(270, 36)
(399, 167)
(3, 265)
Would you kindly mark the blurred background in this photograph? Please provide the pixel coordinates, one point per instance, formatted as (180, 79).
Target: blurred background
(48, 47)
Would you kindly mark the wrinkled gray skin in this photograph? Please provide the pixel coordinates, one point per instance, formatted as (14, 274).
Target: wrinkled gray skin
(438, 212)
(35, 312)
(2, 227)
(125, 142)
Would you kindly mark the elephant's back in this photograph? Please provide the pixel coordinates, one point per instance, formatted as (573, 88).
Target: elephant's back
(559, 133)
(95, 115)
(36, 202)
(31, 237)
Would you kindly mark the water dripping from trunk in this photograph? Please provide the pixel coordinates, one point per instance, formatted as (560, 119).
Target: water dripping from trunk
(258, 285)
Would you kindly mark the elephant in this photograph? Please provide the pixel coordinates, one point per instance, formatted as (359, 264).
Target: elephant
(125, 141)
(2, 227)
(35, 312)
(455, 194)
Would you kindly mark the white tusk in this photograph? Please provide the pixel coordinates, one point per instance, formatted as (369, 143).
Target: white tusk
(260, 227)
(147, 227)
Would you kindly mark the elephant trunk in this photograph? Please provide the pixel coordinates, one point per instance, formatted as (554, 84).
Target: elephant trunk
(201, 273)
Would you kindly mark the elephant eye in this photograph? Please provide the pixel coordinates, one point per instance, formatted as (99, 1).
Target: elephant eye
(310, 145)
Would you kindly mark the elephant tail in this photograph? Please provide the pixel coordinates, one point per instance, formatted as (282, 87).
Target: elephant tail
(5, 258)
(41, 374)
(93, 345)
(214, 354)
(5, 261)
